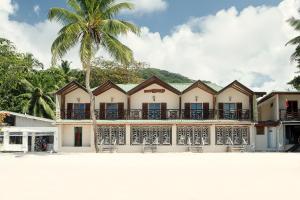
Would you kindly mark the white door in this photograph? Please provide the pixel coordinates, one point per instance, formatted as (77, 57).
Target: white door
(271, 138)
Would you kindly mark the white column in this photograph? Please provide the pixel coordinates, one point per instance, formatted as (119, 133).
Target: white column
(252, 136)
(174, 135)
(127, 131)
(55, 142)
(25, 142)
(6, 140)
(32, 142)
(92, 136)
(212, 135)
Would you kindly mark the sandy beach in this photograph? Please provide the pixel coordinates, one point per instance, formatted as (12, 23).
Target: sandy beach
(149, 176)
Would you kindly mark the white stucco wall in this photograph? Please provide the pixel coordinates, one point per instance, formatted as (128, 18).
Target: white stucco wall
(67, 135)
(236, 97)
(266, 111)
(137, 99)
(283, 98)
(28, 122)
(203, 97)
(111, 96)
(77, 96)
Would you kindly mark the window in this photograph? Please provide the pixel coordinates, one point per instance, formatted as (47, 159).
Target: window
(155, 135)
(112, 111)
(79, 110)
(1, 138)
(228, 135)
(196, 110)
(111, 135)
(16, 138)
(154, 111)
(229, 111)
(260, 130)
(193, 135)
(78, 136)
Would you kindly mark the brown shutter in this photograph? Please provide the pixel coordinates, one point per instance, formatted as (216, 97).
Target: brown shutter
(206, 110)
(239, 107)
(102, 111)
(145, 110)
(187, 110)
(163, 110)
(221, 112)
(121, 111)
(87, 111)
(69, 110)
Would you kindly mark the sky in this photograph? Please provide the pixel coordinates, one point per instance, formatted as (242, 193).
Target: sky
(219, 41)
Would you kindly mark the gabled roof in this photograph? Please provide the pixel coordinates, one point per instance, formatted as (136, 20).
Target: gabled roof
(106, 86)
(241, 88)
(150, 81)
(270, 95)
(201, 85)
(70, 87)
(28, 116)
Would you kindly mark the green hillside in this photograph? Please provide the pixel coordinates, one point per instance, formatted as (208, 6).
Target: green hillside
(164, 75)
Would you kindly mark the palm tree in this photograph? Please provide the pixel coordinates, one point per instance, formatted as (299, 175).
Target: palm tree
(92, 24)
(66, 69)
(295, 41)
(36, 98)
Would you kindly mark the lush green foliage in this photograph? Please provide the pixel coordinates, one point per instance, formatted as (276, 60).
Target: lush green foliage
(295, 23)
(26, 87)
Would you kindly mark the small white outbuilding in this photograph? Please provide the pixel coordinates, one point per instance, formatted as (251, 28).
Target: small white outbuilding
(26, 133)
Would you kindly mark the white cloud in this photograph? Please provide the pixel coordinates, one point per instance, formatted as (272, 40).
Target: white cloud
(248, 46)
(36, 9)
(148, 6)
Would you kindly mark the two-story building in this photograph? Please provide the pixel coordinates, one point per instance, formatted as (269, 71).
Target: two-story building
(158, 116)
(279, 121)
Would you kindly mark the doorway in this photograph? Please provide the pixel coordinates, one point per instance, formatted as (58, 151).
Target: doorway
(292, 134)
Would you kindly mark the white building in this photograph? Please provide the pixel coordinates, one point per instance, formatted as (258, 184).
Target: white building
(158, 116)
(279, 121)
(21, 132)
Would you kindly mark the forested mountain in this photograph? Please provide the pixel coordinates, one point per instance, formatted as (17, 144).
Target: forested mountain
(164, 75)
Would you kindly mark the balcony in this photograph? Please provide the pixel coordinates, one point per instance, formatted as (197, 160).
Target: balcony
(243, 114)
(286, 115)
(158, 114)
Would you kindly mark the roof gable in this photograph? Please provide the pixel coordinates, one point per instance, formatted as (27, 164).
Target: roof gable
(105, 87)
(239, 87)
(201, 85)
(150, 81)
(70, 87)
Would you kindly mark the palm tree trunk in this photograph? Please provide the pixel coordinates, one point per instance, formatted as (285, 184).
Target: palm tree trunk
(92, 106)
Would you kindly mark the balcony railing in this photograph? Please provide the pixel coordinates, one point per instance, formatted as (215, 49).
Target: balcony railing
(157, 114)
(243, 114)
(286, 115)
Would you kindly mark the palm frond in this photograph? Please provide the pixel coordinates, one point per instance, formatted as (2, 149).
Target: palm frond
(116, 49)
(116, 9)
(116, 27)
(63, 16)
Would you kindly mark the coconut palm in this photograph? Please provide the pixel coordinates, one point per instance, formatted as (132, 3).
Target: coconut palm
(36, 98)
(296, 40)
(92, 24)
(66, 69)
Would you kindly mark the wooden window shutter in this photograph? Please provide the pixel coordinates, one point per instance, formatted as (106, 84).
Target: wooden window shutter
(69, 110)
(102, 111)
(206, 110)
(221, 110)
(163, 110)
(187, 110)
(145, 110)
(87, 111)
(239, 107)
(121, 111)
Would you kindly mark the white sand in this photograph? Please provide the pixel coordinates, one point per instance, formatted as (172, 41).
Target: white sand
(150, 176)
